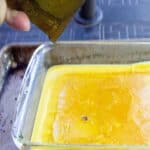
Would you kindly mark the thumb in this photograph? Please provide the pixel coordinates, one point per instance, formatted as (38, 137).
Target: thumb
(14, 18)
(18, 20)
(3, 9)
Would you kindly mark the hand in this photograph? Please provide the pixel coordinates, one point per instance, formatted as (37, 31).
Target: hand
(17, 19)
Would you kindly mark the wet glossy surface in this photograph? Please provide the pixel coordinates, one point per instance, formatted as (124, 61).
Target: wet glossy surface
(94, 105)
(132, 22)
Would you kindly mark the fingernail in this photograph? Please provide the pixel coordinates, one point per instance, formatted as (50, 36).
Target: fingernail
(18, 20)
(11, 14)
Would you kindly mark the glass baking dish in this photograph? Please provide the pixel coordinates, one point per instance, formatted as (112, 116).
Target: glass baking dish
(47, 55)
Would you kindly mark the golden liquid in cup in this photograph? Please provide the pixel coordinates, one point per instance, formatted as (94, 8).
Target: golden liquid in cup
(51, 16)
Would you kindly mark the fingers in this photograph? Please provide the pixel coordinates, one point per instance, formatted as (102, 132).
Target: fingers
(3, 9)
(18, 20)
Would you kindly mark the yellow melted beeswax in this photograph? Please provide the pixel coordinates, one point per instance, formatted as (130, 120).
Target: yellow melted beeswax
(94, 105)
